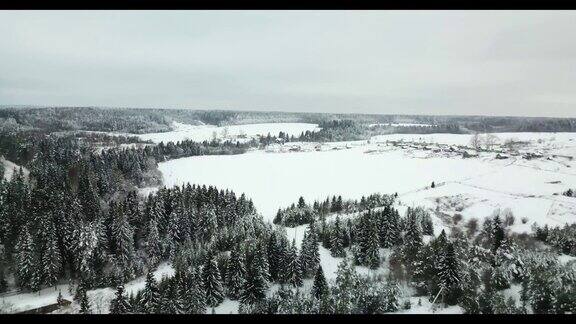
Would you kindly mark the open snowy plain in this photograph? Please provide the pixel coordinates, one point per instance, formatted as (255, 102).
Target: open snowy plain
(472, 187)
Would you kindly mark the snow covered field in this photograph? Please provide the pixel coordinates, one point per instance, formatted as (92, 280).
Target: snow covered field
(480, 184)
(206, 132)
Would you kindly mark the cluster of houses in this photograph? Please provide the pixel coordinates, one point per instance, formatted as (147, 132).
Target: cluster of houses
(306, 147)
(465, 151)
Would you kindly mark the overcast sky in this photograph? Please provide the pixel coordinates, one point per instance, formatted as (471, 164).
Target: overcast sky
(412, 62)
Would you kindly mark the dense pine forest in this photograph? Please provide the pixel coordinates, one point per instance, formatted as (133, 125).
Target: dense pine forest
(78, 217)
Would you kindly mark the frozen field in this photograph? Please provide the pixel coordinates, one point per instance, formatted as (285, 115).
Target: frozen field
(472, 187)
(206, 132)
(277, 180)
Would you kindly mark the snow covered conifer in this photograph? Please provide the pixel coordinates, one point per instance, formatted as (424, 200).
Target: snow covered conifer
(294, 268)
(235, 274)
(255, 284)
(274, 256)
(119, 305)
(212, 281)
(449, 274)
(337, 240)
(25, 258)
(194, 297)
(309, 252)
(150, 301)
(320, 287)
(84, 303)
(344, 290)
(51, 261)
(152, 244)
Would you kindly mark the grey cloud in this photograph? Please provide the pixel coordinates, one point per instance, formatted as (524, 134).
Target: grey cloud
(501, 63)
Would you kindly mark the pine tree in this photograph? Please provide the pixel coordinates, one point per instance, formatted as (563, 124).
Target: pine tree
(194, 297)
(255, 285)
(150, 301)
(449, 274)
(84, 303)
(274, 260)
(3, 282)
(344, 290)
(51, 261)
(25, 259)
(235, 274)
(320, 287)
(392, 293)
(310, 256)
(372, 248)
(294, 267)
(337, 240)
(412, 236)
(152, 245)
(119, 305)
(497, 232)
(122, 234)
(176, 305)
(389, 228)
(212, 282)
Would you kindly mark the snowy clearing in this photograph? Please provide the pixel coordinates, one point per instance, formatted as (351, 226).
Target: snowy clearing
(278, 180)
(99, 298)
(201, 133)
(9, 168)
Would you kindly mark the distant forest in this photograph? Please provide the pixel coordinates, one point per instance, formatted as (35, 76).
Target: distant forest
(145, 120)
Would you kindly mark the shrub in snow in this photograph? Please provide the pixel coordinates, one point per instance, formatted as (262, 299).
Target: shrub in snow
(456, 218)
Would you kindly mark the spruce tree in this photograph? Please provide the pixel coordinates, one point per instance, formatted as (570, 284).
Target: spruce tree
(294, 267)
(497, 232)
(344, 290)
(235, 274)
(320, 287)
(449, 274)
(152, 245)
(119, 305)
(337, 240)
(51, 261)
(84, 303)
(194, 297)
(255, 285)
(150, 301)
(310, 256)
(273, 250)
(25, 259)
(212, 282)
(124, 240)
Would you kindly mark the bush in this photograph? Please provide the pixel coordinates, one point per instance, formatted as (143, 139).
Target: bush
(472, 226)
(457, 218)
(509, 218)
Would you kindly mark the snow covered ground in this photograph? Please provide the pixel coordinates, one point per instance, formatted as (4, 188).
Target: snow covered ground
(99, 298)
(238, 132)
(275, 181)
(400, 125)
(9, 168)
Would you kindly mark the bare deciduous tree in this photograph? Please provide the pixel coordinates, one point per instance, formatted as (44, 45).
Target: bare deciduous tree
(476, 141)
